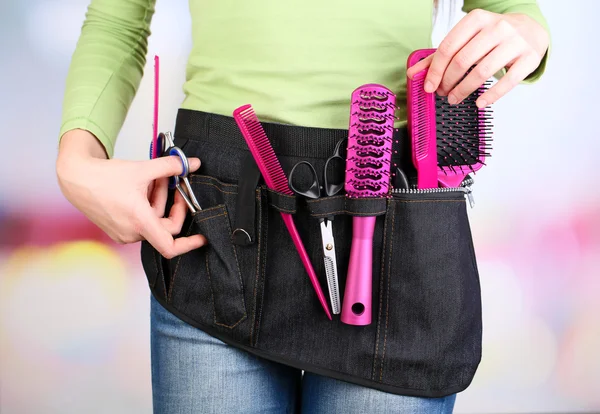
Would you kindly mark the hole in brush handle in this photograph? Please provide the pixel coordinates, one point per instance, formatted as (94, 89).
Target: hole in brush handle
(358, 308)
(372, 119)
(373, 187)
(365, 130)
(369, 175)
(374, 141)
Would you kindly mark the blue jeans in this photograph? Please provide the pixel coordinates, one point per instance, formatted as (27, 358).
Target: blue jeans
(193, 372)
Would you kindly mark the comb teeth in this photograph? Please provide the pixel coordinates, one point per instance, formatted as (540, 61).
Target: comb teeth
(259, 144)
(369, 152)
(420, 122)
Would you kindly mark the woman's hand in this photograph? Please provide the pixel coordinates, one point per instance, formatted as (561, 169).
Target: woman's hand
(126, 199)
(490, 41)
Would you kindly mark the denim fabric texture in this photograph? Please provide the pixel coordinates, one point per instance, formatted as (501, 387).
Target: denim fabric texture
(425, 338)
(193, 372)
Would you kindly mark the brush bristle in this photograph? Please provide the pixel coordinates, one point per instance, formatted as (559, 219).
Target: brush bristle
(371, 129)
(463, 134)
(261, 149)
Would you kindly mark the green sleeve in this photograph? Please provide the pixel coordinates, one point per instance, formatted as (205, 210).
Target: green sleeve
(106, 68)
(527, 7)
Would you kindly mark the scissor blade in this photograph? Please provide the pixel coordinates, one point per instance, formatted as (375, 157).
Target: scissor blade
(187, 200)
(331, 265)
(168, 140)
(332, 283)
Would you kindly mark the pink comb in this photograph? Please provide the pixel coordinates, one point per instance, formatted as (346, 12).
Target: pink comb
(271, 170)
(454, 137)
(367, 175)
(422, 124)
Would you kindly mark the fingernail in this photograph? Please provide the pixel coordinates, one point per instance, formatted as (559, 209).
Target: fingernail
(429, 88)
(481, 103)
(452, 99)
(194, 163)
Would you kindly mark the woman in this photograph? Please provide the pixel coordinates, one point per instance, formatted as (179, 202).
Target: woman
(297, 65)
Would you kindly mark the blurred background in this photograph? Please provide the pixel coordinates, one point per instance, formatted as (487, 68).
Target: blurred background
(74, 326)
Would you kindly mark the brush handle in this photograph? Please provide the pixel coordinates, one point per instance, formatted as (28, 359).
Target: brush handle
(291, 226)
(356, 309)
(452, 180)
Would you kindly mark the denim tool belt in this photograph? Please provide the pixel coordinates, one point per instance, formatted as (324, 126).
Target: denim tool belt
(249, 288)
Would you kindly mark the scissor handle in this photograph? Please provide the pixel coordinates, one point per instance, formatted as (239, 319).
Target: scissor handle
(332, 189)
(160, 147)
(176, 151)
(314, 191)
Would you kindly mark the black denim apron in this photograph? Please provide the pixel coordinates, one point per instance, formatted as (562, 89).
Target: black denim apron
(252, 292)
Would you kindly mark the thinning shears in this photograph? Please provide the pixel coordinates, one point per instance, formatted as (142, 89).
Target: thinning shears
(166, 147)
(314, 192)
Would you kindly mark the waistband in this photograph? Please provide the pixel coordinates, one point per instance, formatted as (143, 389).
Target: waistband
(286, 140)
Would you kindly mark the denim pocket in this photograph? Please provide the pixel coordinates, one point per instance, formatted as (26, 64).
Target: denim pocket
(206, 284)
(430, 307)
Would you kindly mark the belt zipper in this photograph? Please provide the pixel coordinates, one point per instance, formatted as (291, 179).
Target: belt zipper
(465, 187)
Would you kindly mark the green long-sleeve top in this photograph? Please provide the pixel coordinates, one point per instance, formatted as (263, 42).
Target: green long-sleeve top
(295, 62)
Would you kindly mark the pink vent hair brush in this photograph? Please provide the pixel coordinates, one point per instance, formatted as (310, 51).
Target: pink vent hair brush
(367, 175)
(271, 170)
(448, 141)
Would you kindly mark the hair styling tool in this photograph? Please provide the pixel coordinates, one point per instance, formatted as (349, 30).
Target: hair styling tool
(169, 149)
(422, 124)
(457, 137)
(331, 188)
(155, 151)
(464, 136)
(163, 145)
(269, 166)
(367, 175)
(400, 180)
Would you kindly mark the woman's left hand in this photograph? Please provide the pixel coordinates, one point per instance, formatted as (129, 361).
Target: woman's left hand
(490, 41)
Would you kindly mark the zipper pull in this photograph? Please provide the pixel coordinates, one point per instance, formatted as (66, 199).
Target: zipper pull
(470, 197)
(466, 184)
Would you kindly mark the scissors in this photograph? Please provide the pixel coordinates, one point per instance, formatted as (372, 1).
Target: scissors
(314, 192)
(166, 147)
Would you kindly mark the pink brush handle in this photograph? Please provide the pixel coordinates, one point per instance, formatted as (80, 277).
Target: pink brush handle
(289, 223)
(356, 309)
